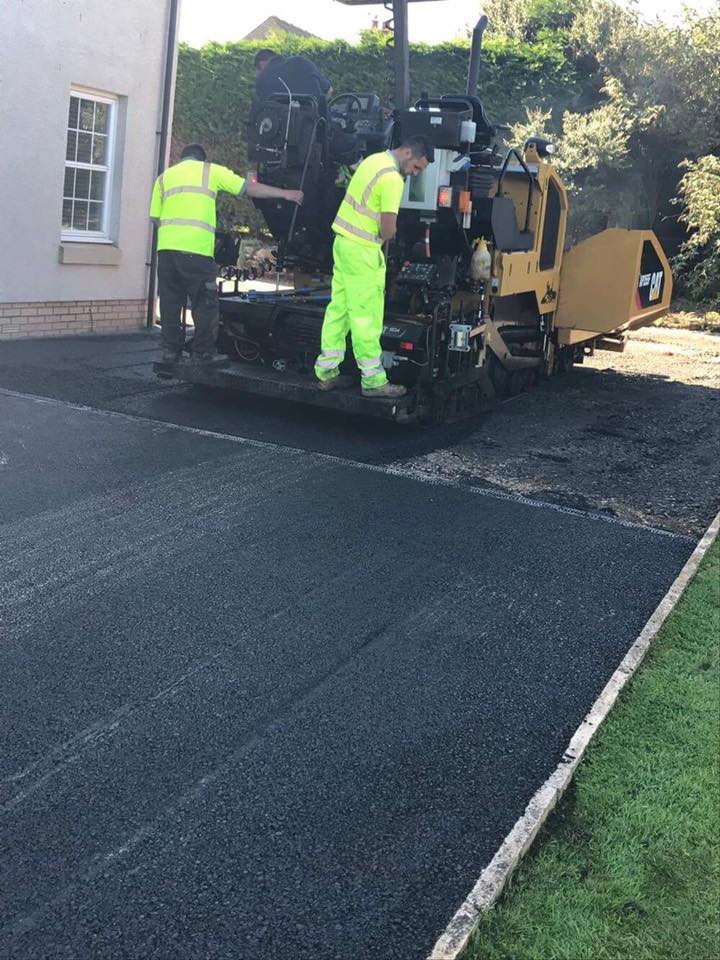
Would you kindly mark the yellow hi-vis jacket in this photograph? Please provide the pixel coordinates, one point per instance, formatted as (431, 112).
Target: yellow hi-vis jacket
(183, 203)
(376, 187)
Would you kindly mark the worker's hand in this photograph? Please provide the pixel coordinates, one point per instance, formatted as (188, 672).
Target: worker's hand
(294, 196)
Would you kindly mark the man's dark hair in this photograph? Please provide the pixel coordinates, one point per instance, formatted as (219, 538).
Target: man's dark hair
(262, 56)
(193, 151)
(420, 147)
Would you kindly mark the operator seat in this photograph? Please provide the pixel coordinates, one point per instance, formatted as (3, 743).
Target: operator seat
(282, 131)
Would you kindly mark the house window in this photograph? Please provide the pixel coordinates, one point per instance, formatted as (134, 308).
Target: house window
(88, 167)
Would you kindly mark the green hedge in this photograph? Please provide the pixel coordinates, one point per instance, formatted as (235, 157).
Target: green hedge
(215, 85)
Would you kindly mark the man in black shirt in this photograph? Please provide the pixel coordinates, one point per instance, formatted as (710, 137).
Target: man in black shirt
(273, 72)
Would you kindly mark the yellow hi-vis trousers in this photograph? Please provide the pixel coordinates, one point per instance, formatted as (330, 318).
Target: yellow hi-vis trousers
(357, 306)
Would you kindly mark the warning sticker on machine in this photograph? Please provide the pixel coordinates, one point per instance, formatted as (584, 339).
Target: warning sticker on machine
(652, 277)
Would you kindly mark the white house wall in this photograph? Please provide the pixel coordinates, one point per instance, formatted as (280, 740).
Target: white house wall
(49, 46)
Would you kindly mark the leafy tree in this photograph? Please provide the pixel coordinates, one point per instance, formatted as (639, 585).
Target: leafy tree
(650, 107)
(507, 18)
(627, 103)
(527, 19)
(592, 155)
(698, 262)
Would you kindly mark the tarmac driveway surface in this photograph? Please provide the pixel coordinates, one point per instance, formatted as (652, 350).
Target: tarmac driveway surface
(261, 702)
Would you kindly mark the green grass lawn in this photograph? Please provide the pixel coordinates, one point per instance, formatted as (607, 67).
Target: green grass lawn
(628, 866)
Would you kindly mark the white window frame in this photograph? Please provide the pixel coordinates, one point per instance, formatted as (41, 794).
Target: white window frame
(95, 236)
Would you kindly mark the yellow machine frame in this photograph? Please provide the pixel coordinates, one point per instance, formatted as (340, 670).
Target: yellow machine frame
(592, 291)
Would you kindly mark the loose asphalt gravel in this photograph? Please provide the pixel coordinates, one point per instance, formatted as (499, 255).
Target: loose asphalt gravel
(262, 702)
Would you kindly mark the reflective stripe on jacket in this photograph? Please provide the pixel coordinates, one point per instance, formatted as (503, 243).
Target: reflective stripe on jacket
(359, 215)
(183, 203)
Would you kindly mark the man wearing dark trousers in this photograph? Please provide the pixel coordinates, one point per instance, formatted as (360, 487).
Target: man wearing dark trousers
(183, 206)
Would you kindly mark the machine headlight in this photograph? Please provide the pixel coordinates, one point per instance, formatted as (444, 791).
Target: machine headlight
(541, 144)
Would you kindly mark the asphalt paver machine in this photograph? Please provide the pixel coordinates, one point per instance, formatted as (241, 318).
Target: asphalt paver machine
(483, 297)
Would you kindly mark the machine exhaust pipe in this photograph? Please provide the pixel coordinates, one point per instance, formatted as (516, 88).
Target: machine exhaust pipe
(475, 47)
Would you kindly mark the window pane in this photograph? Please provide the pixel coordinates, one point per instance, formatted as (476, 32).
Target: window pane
(69, 185)
(84, 147)
(80, 215)
(97, 188)
(101, 117)
(87, 110)
(82, 184)
(84, 190)
(99, 149)
(73, 113)
(71, 145)
(95, 216)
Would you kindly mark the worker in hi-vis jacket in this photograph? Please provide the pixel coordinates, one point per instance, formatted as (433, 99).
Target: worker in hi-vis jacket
(183, 206)
(366, 219)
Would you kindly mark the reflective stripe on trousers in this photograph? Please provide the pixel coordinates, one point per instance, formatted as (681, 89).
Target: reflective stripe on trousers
(330, 359)
(371, 367)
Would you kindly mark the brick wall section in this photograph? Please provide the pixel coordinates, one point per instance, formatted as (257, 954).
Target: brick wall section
(63, 318)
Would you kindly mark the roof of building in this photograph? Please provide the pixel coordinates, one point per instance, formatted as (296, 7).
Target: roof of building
(275, 25)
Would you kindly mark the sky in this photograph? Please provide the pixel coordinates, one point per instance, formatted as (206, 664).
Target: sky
(223, 20)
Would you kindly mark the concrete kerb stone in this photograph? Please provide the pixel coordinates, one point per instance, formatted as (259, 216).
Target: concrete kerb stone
(489, 886)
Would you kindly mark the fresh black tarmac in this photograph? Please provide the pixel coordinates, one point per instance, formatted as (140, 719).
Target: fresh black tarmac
(258, 703)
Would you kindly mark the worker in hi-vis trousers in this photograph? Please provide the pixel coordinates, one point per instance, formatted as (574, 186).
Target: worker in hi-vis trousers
(183, 206)
(367, 218)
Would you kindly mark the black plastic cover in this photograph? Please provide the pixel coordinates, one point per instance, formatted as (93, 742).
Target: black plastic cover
(496, 218)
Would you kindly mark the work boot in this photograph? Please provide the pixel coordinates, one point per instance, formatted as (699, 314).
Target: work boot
(341, 382)
(386, 391)
(171, 356)
(202, 358)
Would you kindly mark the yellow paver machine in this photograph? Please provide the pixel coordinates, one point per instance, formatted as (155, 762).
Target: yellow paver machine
(484, 299)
